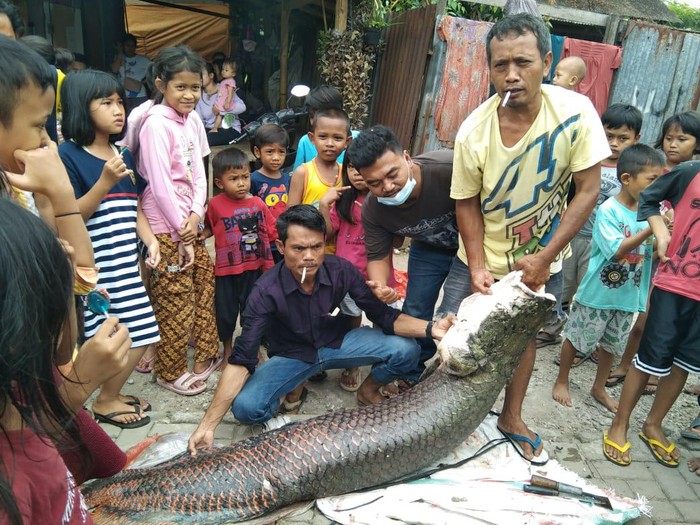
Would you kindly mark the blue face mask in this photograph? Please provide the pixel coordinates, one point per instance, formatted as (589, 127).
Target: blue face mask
(401, 197)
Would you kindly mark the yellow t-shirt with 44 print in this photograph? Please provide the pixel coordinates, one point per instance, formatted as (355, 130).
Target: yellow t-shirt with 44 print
(523, 188)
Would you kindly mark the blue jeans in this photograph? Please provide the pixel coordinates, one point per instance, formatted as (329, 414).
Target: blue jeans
(428, 268)
(458, 285)
(391, 357)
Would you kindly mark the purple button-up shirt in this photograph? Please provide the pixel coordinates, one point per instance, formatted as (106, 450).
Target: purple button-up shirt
(297, 324)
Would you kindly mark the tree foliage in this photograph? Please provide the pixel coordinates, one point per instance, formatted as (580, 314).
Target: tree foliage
(690, 16)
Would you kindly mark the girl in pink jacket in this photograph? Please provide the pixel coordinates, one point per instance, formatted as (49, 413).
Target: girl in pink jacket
(182, 286)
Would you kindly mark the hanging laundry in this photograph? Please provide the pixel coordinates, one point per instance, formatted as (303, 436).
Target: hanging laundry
(601, 62)
(465, 81)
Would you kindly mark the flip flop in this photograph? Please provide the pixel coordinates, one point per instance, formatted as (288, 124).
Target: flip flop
(615, 379)
(135, 401)
(620, 449)
(653, 443)
(348, 374)
(215, 363)
(149, 364)
(516, 440)
(689, 434)
(545, 339)
(293, 407)
(579, 359)
(182, 385)
(109, 419)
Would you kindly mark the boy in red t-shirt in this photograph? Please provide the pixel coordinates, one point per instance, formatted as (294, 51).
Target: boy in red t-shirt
(243, 229)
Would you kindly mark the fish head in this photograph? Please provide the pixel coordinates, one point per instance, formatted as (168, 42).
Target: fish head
(495, 327)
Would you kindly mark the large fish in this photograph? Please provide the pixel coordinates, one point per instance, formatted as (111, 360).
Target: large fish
(345, 450)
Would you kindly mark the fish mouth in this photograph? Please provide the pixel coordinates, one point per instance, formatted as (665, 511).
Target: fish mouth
(516, 279)
(512, 312)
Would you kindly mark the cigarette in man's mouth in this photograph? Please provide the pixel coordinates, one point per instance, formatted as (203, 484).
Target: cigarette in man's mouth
(505, 99)
(303, 275)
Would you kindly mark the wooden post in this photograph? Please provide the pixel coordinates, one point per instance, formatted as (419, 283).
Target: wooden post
(611, 29)
(441, 7)
(284, 52)
(341, 15)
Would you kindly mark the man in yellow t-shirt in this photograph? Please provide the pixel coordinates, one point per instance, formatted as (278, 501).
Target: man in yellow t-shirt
(515, 156)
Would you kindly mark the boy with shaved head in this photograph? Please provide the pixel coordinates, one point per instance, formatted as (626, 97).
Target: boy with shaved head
(569, 73)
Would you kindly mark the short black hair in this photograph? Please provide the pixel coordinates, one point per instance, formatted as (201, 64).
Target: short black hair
(230, 61)
(519, 25)
(270, 134)
(370, 144)
(322, 97)
(637, 157)
(688, 122)
(21, 67)
(41, 46)
(304, 215)
(149, 80)
(229, 159)
(64, 58)
(10, 10)
(128, 37)
(618, 115)
(335, 114)
(78, 90)
(209, 67)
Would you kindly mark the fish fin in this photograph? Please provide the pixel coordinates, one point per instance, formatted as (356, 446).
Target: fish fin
(135, 451)
(432, 366)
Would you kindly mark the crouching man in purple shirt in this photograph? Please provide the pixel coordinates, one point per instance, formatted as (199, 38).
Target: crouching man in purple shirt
(295, 305)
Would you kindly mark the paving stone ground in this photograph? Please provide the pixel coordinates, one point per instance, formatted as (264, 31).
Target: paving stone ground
(573, 436)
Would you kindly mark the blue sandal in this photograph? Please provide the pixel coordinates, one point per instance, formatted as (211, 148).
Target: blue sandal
(689, 434)
(516, 440)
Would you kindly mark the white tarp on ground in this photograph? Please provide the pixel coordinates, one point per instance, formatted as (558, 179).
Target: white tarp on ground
(486, 490)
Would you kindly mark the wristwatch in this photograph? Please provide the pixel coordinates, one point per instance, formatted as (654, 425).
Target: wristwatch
(429, 330)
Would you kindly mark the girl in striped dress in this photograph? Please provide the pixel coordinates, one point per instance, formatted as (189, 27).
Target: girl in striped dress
(107, 188)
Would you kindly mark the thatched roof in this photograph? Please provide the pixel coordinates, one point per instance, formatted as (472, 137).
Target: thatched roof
(643, 9)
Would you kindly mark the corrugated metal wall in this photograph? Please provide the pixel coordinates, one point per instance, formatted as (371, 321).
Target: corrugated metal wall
(660, 74)
(401, 72)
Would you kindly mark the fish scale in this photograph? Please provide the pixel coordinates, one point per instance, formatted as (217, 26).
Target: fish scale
(335, 453)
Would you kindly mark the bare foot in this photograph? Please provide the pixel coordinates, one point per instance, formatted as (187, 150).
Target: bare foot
(560, 393)
(604, 399)
(619, 436)
(693, 390)
(694, 465)
(657, 434)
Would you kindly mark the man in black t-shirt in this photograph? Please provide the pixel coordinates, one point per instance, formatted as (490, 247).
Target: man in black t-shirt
(408, 198)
